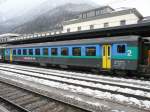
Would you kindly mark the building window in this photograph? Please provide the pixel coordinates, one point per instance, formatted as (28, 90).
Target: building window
(97, 12)
(121, 48)
(106, 25)
(91, 51)
(24, 52)
(64, 51)
(79, 28)
(103, 11)
(45, 51)
(123, 22)
(91, 27)
(14, 52)
(37, 52)
(76, 51)
(90, 14)
(54, 51)
(19, 52)
(68, 29)
(30, 51)
(84, 15)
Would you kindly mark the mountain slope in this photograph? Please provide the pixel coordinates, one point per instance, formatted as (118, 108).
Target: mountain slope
(44, 16)
(52, 18)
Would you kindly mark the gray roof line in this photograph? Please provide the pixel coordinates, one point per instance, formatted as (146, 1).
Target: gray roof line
(107, 6)
(106, 15)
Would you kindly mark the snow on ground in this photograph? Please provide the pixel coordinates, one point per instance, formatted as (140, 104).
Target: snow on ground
(92, 93)
(91, 76)
(59, 73)
(3, 109)
(90, 84)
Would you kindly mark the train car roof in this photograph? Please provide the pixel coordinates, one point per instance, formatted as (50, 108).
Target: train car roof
(81, 41)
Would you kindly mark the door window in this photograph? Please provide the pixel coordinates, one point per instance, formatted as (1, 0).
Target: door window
(103, 50)
(108, 50)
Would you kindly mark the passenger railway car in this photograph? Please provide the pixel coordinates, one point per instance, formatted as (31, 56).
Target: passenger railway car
(124, 53)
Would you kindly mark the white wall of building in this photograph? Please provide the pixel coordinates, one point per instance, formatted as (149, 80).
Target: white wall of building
(99, 23)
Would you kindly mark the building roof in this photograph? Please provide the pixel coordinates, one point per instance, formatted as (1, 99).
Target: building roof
(146, 19)
(107, 15)
(102, 7)
(9, 35)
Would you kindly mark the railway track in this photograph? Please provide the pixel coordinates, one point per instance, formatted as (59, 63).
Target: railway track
(7, 106)
(89, 84)
(76, 81)
(84, 77)
(26, 101)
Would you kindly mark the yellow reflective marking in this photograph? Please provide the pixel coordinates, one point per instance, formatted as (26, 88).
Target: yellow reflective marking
(106, 56)
(11, 56)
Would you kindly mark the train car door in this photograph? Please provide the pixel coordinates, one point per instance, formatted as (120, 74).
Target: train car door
(11, 56)
(106, 56)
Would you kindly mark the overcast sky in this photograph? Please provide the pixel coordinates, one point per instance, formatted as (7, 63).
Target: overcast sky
(142, 5)
(17, 6)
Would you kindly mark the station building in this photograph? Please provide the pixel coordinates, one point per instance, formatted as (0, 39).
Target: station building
(98, 18)
(102, 17)
(7, 36)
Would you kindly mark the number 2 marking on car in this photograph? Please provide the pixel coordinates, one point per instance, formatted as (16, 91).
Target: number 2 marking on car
(129, 53)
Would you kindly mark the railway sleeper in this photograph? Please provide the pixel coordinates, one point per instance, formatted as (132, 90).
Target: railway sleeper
(36, 104)
(45, 107)
(12, 94)
(22, 99)
(26, 102)
(17, 96)
(58, 109)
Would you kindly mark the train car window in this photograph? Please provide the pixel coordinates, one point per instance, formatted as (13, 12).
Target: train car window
(19, 51)
(121, 48)
(64, 52)
(91, 51)
(45, 51)
(37, 52)
(24, 52)
(14, 52)
(76, 51)
(54, 51)
(30, 51)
